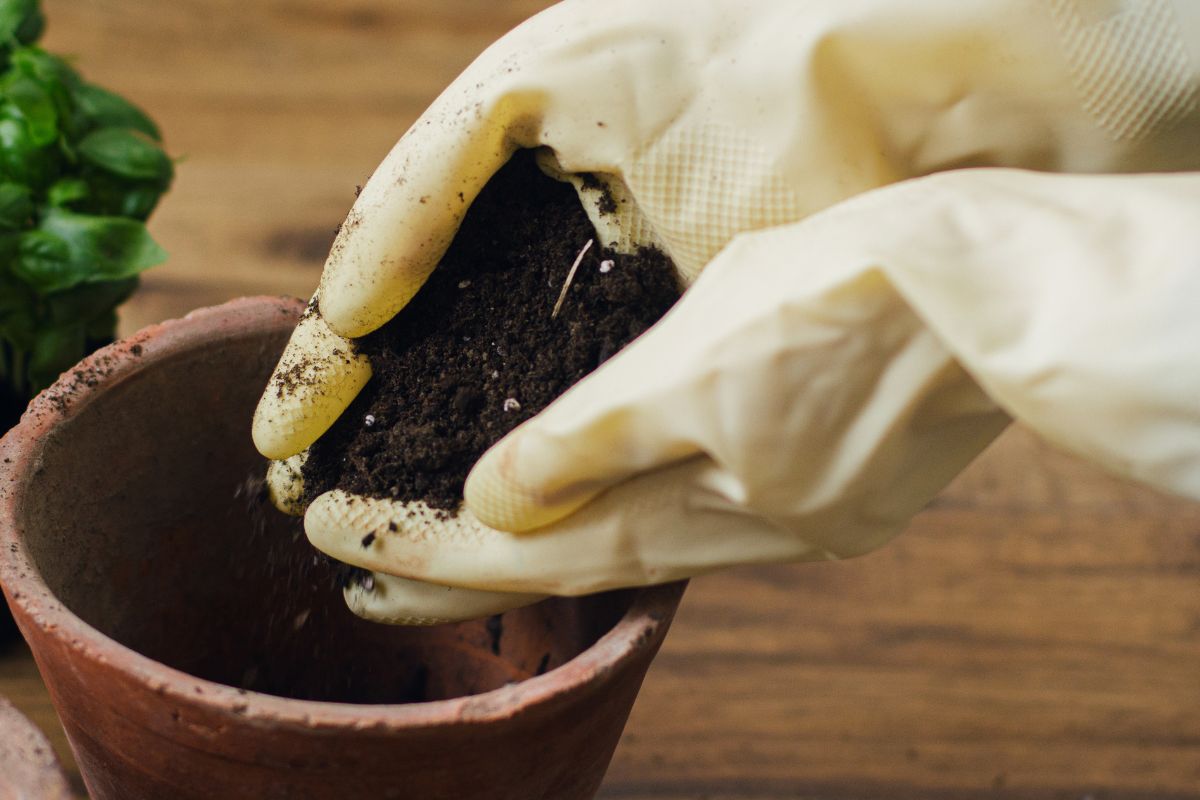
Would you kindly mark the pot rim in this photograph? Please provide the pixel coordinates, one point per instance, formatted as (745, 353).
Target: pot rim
(642, 625)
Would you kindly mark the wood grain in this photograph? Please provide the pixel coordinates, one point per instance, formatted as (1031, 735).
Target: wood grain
(1035, 634)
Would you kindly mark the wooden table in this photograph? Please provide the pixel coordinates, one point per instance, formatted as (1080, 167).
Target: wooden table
(1035, 634)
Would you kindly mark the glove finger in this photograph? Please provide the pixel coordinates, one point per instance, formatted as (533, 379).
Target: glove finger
(387, 598)
(807, 383)
(661, 526)
(408, 212)
(540, 85)
(623, 419)
(285, 484)
(400, 601)
(611, 208)
(317, 377)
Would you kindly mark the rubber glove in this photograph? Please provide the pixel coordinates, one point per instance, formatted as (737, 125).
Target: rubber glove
(823, 380)
(708, 120)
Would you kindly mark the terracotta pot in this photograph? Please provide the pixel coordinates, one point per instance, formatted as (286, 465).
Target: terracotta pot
(28, 768)
(152, 582)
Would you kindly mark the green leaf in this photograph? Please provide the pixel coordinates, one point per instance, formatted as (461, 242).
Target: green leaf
(88, 302)
(54, 352)
(32, 27)
(49, 69)
(101, 331)
(125, 153)
(16, 207)
(21, 20)
(44, 262)
(112, 195)
(107, 110)
(70, 249)
(33, 104)
(17, 304)
(21, 159)
(66, 191)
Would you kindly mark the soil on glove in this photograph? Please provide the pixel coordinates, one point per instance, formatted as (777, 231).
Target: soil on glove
(479, 349)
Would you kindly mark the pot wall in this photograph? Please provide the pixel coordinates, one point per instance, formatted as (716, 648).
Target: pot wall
(132, 525)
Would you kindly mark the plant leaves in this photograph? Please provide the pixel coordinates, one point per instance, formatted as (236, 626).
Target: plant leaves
(21, 160)
(101, 331)
(43, 262)
(67, 190)
(69, 249)
(17, 304)
(112, 195)
(34, 105)
(54, 352)
(125, 153)
(88, 302)
(49, 69)
(16, 207)
(21, 20)
(103, 109)
(80, 168)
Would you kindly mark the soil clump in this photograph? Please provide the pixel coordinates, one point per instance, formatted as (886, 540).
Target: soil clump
(489, 341)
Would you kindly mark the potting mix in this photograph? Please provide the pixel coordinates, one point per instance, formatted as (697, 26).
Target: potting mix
(490, 340)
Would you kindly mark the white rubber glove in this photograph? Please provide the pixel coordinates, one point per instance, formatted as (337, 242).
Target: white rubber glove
(710, 119)
(806, 399)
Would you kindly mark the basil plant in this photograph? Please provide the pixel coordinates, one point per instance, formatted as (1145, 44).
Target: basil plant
(80, 171)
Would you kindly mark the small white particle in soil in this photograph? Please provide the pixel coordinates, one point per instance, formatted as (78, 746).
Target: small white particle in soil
(607, 264)
(495, 374)
(369, 420)
(511, 404)
(463, 284)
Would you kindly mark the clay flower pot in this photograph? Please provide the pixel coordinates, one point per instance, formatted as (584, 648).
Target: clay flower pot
(28, 768)
(168, 609)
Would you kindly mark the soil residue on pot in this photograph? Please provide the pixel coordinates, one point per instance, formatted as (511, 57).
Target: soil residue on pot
(480, 348)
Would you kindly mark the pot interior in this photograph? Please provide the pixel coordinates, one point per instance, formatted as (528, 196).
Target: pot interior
(145, 516)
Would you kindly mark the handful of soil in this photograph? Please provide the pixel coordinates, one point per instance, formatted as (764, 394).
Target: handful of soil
(480, 348)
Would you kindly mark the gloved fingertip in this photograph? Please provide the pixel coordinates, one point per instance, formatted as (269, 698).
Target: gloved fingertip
(352, 310)
(285, 484)
(378, 264)
(497, 496)
(318, 376)
(270, 438)
(365, 599)
(394, 600)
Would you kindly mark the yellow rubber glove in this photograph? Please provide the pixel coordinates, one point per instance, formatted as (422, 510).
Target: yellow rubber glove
(711, 120)
(822, 381)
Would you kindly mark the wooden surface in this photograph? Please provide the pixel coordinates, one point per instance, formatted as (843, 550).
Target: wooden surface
(1035, 634)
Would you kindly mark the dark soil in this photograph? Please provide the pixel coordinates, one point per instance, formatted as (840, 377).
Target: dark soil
(479, 349)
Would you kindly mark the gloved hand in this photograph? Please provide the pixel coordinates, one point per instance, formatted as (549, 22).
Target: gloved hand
(820, 403)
